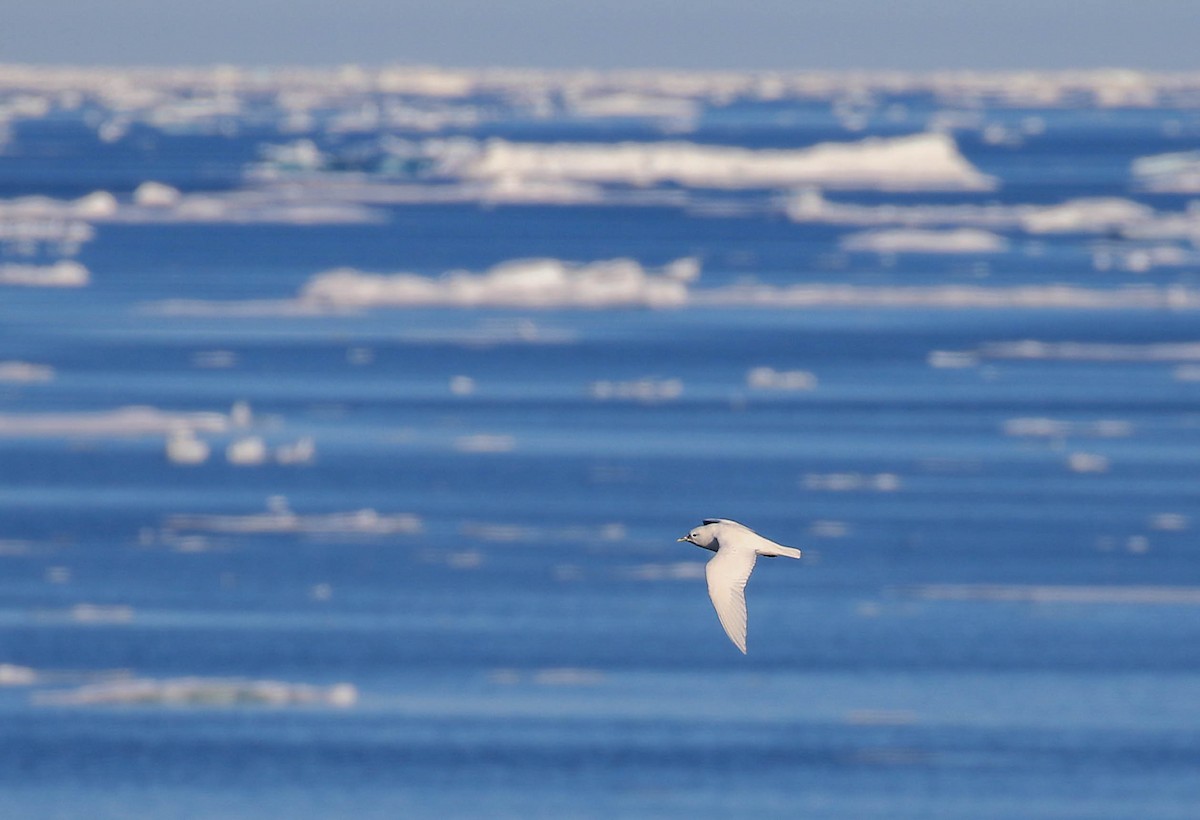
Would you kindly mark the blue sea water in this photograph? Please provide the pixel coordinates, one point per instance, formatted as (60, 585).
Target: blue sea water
(996, 614)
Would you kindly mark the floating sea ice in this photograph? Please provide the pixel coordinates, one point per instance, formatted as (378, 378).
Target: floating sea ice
(532, 283)
(462, 385)
(768, 378)
(202, 692)
(302, 451)
(1169, 522)
(485, 443)
(1088, 463)
(240, 415)
(184, 448)
(62, 274)
(1087, 215)
(1176, 172)
(280, 519)
(156, 195)
(13, 675)
(125, 421)
(246, 452)
(952, 359)
(643, 390)
(25, 372)
(852, 482)
(214, 359)
(917, 162)
(913, 240)
(96, 205)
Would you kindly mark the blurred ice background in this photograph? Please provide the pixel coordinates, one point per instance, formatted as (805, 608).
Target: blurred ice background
(348, 418)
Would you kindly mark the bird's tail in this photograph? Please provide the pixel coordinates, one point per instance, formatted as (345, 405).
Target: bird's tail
(772, 550)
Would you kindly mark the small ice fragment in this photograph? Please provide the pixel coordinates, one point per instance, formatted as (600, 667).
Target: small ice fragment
(302, 451)
(247, 451)
(184, 448)
(1088, 463)
(462, 385)
(241, 415)
(156, 195)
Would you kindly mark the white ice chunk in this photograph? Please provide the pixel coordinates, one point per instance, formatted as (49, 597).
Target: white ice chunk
(13, 675)
(1087, 215)
(532, 283)
(280, 519)
(201, 692)
(928, 161)
(125, 421)
(25, 372)
(184, 448)
(246, 452)
(62, 274)
(768, 378)
(301, 451)
(913, 240)
(156, 195)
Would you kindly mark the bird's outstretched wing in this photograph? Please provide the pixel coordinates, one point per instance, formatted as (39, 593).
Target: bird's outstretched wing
(727, 574)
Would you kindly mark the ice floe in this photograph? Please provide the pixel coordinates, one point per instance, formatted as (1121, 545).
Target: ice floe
(282, 520)
(531, 283)
(124, 421)
(648, 390)
(852, 482)
(915, 240)
(1051, 594)
(248, 451)
(201, 692)
(485, 443)
(928, 161)
(1177, 172)
(183, 447)
(13, 675)
(768, 378)
(301, 451)
(1042, 427)
(950, 297)
(1033, 349)
(62, 274)
(15, 372)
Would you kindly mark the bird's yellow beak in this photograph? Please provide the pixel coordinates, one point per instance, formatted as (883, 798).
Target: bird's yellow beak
(687, 538)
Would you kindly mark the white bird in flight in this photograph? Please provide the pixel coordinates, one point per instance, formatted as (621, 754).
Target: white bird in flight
(736, 547)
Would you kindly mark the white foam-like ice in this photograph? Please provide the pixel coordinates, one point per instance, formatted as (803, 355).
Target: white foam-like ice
(927, 161)
(62, 274)
(124, 421)
(531, 283)
(1051, 594)
(768, 378)
(201, 692)
(916, 240)
(648, 390)
(1093, 351)
(184, 448)
(156, 195)
(1176, 172)
(16, 372)
(1088, 215)
(13, 675)
(485, 443)
(950, 297)
(283, 520)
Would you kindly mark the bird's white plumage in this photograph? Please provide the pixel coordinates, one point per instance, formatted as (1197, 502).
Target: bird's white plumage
(727, 573)
(736, 547)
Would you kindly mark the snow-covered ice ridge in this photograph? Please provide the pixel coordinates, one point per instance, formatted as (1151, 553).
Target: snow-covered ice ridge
(179, 94)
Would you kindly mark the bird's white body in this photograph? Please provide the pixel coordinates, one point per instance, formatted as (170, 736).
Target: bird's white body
(736, 547)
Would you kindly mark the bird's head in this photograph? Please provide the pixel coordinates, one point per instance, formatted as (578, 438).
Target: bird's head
(704, 536)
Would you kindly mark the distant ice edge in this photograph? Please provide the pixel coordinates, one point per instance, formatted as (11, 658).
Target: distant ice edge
(625, 283)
